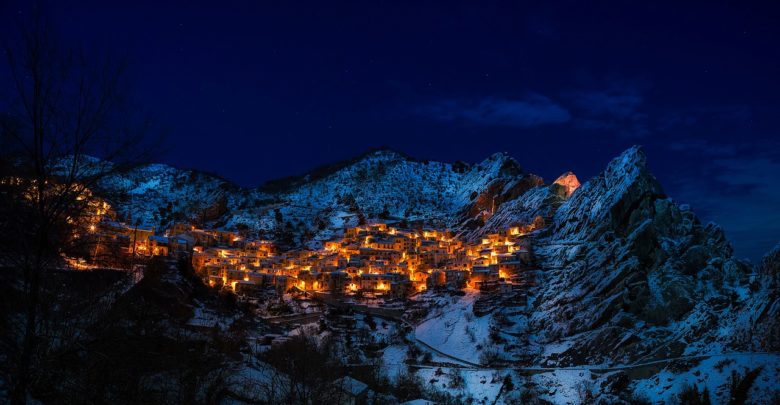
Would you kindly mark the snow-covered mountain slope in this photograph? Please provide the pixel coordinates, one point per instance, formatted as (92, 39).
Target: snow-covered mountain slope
(630, 275)
(631, 281)
(382, 183)
(157, 195)
(626, 275)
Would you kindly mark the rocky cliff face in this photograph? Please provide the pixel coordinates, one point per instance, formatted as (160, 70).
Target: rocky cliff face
(630, 275)
(626, 275)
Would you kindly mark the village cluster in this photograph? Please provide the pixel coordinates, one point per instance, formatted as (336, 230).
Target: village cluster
(376, 259)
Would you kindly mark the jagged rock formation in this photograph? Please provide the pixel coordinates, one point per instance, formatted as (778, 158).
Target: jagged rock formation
(759, 324)
(628, 273)
(631, 275)
(566, 184)
(770, 266)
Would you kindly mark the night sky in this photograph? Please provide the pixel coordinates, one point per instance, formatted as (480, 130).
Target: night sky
(259, 90)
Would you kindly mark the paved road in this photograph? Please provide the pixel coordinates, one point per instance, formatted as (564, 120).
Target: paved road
(294, 318)
(600, 368)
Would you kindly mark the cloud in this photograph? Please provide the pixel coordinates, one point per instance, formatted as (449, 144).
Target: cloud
(531, 111)
(713, 117)
(742, 194)
(617, 110)
(703, 147)
(615, 104)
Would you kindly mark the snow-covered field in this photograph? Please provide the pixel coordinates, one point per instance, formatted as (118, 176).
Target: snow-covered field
(715, 374)
(456, 331)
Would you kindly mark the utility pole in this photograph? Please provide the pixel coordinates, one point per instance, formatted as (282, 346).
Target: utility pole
(132, 257)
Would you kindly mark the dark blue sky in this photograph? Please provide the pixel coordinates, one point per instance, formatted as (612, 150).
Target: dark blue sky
(259, 90)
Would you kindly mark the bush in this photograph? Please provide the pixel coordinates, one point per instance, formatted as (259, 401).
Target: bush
(740, 385)
(154, 270)
(369, 320)
(639, 398)
(308, 364)
(585, 392)
(456, 379)
(690, 395)
(489, 357)
(508, 384)
(227, 300)
(408, 387)
(495, 336)
(723, 363)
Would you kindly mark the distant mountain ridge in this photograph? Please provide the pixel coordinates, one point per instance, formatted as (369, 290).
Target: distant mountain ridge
(379, 183)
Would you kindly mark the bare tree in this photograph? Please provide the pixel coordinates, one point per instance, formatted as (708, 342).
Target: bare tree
(303, 370)
(67, 108)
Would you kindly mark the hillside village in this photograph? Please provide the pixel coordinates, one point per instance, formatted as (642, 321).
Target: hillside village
(518, 284)
(378, 259)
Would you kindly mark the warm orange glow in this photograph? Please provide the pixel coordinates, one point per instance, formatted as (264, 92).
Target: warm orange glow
(569, 182)
(413, 255)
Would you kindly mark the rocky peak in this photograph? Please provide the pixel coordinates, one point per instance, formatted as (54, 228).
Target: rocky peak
(622, 255)
(501, 165)
(770, 265)
(631, 163)
(624, 195)
(384, 154)
(567, 183)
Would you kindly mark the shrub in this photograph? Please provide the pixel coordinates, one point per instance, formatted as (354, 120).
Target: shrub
(638, 398)
(489, 357)
(723, 363)
(690, 395)
(408, 387)
(740, 385)
(456, 379)
(369, 320)
(508, 384)
(495, 336)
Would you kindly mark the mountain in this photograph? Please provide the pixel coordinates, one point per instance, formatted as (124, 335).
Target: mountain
(616, 250)
(634, 276)
(313, 207)
(626, 278)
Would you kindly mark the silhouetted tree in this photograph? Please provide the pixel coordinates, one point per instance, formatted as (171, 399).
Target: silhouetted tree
(67, 108)
(304, 368)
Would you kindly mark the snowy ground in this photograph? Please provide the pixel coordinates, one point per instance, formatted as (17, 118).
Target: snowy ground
(563, 386)
(455, 330)
(714, 374)
(478, 384)
(393, 360)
